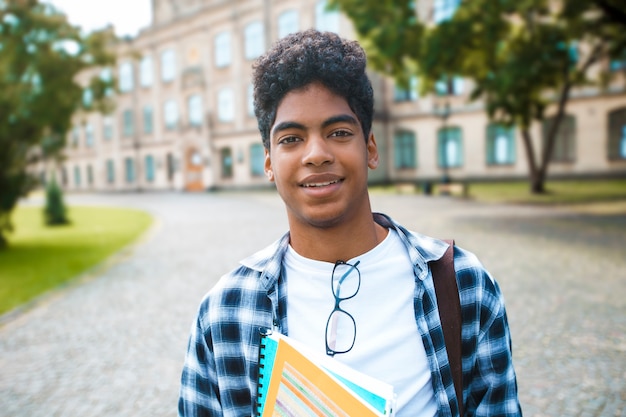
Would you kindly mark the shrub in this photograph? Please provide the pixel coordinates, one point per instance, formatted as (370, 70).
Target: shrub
(55, 211)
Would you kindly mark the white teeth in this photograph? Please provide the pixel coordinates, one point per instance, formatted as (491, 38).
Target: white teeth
(320, 184)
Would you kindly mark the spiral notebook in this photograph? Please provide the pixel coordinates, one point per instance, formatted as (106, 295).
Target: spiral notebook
(293, 381)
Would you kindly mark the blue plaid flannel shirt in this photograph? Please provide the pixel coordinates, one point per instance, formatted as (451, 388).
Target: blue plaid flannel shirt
(220, 370)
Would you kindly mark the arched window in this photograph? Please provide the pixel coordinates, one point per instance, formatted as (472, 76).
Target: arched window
(222, 49)
(254, 40)
(565, 142)
(405, 150)
(257, 160)
(110, 167)
(617, 134)
(500, 145)
(450, 147)
(130, 170)
(149, 162)
(168, 65)
(287, 23)
(145, 71)
(227, 163)
(326, 20)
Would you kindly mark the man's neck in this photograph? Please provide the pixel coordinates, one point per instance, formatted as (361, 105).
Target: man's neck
(343, 241)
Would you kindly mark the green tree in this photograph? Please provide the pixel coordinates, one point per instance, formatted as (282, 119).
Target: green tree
(41, 55)
(520, 55)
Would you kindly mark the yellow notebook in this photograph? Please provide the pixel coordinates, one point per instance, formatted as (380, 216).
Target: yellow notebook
(293, 381)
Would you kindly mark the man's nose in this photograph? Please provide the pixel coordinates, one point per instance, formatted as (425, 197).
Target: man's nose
(317, 151)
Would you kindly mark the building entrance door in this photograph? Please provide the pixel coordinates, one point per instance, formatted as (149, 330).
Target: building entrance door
(193, 170)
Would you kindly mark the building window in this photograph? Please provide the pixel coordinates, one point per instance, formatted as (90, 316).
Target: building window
(500, 145)
(564, 149)
(87, 98)
(618, 63)
(148, 120)
(107, 128)
(89, 175)
(128, 125)
(168, 65)
(449, 147)
(146, 71)
(254, 39)
(110, 168)
(106, 75)
(287, 23)
(170, 109)
(130, 170)
(227, 163)
(250, 100)
(222, 49)
(326, 20)
(126, 77)
(194, 110)
(444, 10)
(170, 164)
(257, 160)
(409, 93)
(226, 105)
(405, 150)
(149, 162)
(77, 176)
(75, 136)
(89, 140)
(449, 86)
(617, 134)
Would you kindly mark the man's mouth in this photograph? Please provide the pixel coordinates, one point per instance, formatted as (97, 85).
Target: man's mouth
(319, 184)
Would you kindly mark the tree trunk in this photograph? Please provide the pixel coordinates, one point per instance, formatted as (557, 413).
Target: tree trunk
(546, 153)
(536, 178)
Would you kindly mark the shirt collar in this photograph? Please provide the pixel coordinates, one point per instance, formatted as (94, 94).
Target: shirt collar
(422, 249)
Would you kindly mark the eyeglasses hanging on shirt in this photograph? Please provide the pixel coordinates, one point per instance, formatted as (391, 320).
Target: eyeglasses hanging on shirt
(341, 327)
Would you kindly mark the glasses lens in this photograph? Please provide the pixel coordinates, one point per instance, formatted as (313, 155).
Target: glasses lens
(346, 281)
(340, 331)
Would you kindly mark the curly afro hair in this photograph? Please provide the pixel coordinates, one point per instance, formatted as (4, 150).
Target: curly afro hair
(302, 58)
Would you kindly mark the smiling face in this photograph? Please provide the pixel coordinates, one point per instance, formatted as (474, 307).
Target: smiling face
(319, 159)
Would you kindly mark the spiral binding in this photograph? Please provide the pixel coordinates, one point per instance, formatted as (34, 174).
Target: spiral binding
(259, 394)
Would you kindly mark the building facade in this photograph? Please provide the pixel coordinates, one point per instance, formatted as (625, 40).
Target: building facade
(183, 117)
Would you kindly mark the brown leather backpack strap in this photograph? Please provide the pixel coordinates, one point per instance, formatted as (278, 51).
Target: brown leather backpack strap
(449, 302)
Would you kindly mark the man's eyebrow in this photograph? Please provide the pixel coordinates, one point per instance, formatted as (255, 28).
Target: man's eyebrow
(340, 118)
(287, 125)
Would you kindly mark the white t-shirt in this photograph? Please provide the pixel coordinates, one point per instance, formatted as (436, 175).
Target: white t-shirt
(388, 345)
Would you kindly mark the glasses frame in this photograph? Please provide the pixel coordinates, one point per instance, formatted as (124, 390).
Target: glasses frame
(329, 351)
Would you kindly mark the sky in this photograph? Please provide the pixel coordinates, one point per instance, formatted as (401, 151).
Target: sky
(127, 16)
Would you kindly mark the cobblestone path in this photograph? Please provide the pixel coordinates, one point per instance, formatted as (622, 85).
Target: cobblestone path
(112, 343)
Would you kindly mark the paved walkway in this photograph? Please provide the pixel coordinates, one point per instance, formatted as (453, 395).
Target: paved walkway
(113, 345)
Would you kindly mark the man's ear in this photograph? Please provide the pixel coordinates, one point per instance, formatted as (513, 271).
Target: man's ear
(372, 152)
(267, 166)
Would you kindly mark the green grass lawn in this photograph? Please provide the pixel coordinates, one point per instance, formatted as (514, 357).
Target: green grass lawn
(557, 192)
(41, 258)
(570, 192)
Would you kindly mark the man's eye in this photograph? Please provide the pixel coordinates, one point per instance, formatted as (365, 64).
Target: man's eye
(341, 133)
(288, 139)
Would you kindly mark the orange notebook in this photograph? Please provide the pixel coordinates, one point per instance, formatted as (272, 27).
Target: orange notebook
(293, 381)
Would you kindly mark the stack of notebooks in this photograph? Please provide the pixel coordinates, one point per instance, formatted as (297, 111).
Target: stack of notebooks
(293, 381)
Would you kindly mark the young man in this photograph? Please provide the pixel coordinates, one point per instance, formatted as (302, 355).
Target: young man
(314, 105)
